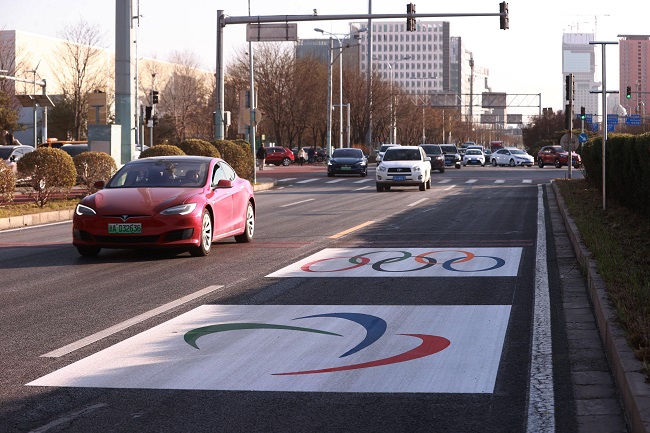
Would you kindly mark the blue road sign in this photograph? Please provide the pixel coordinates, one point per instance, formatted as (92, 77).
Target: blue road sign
(612, 119)
(588, 118)
(582, 138)
(610, 127)
(594, 127)
(633, 119)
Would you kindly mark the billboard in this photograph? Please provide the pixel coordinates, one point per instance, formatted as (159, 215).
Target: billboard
(494, 100)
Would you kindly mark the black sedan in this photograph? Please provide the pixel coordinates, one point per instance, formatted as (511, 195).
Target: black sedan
(347, 161)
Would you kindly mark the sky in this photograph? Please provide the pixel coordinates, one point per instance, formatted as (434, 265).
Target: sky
(526, 59)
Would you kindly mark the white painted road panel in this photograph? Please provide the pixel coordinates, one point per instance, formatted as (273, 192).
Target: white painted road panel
(306, 348)
(406, 262)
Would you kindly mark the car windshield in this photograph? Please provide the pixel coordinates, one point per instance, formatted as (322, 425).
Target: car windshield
(517, 152)
(449, 149)
(384, 147)
(5, 152)
(347, 153)
(473, 152)
(397, 154)
(160, 173)
(432, 150)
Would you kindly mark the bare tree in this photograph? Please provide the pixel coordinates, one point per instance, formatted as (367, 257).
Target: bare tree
(82, 67)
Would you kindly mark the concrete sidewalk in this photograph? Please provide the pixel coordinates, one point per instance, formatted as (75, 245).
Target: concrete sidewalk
(64, 215)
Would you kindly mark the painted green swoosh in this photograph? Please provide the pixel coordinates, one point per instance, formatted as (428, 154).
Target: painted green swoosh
(193, 335)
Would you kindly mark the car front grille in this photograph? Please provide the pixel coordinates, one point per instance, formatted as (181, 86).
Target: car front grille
(405, 170)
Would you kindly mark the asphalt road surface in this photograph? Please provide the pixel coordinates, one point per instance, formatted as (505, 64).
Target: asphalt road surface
(351, 311)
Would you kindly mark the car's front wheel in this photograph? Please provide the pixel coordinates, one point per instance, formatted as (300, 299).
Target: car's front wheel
(423, 186)
(380, 188)
(540, 163)
(494, 163)
(512, 162)
(88, 251)
(205, 239)
(247, 236)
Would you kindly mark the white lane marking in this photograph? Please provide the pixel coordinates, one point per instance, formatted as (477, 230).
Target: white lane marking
(499, 181)
(527, 181)
(449, 187)
(287, 179)
(445, 181)
(362, 180)
(335, 181)
(472, 181)
(359, 189)
(127, 323)
(416, 202)
(68, 418)
(541, 406)
(197, 351)
(307, 180)
(297, 202)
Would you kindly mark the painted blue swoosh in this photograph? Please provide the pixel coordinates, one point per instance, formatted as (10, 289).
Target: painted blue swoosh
(375, 327)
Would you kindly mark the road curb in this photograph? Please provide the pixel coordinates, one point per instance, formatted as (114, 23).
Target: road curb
(64, 215)
(627, 370)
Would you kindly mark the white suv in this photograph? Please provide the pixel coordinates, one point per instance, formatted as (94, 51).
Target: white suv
(404, 166)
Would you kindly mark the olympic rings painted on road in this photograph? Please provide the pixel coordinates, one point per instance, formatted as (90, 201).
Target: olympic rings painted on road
(359, 260)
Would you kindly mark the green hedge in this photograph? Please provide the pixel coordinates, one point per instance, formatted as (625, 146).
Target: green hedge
(627, 168)
(239, 155)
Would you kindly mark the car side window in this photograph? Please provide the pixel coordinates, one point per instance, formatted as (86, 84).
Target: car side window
(228, 171)
(218, 174)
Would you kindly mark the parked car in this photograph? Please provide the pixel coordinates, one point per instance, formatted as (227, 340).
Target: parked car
(452, 157)
(10, 154)
(404, 166)
(347, 161)
(279, 155)
(511, 156)
(74, 149)
(474, 156)
(382, 149)
(557, 156)
(434, 151)
(173, 202)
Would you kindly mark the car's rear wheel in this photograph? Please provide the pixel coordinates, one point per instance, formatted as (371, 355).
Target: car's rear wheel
(442, 170)
(428, 183)
(247, 236)
(540, 163)
(512, 162)
(557, 163)
(364, 174)
(87, 251)
(205, 239)
(286, 162)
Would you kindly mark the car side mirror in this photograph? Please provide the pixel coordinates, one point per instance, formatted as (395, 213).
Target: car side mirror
(427, 158)
(12, 158)
(100, 184)
(224, 183)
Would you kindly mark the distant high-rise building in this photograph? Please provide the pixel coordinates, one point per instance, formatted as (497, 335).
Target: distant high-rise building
(578, 59)
(634, 64)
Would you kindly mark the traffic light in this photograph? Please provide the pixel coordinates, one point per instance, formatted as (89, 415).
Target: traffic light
(569, 88)
(503, 19)
(628, 94)
(568, 121)
(147, 113)
(154, 96)
(410, 21)
(583, 115)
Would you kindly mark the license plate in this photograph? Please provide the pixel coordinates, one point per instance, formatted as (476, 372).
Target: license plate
(346, 168)
(125, 229)
(399, 177)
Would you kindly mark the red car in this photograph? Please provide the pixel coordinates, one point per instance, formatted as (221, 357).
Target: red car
(279, 155)
(176, 202)
(555, 155)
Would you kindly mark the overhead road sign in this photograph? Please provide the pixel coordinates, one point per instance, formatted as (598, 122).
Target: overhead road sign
(271, 32)
(633, 119)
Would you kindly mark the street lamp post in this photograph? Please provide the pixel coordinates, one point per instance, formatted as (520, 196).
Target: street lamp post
(392, 139)
(340, 104)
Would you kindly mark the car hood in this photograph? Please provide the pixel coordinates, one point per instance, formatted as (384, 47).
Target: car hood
(346, 160)
(137, 201)
(393, 164)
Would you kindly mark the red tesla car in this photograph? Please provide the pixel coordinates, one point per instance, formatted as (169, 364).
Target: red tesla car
(181, 202)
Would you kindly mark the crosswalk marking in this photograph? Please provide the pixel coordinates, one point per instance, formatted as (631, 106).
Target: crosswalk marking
(335, 181)
(445, 181)
(527, 181)
(287, 179)
(307, 180)
(472, 181)
(499, 181)
(363, 181)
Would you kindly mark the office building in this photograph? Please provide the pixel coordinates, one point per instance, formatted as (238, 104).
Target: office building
(634, 64)
(578, 59)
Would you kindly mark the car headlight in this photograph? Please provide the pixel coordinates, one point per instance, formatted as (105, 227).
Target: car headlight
(331, 162)
(381, 168)
(417, 168)
(181, 209)
(84, 210)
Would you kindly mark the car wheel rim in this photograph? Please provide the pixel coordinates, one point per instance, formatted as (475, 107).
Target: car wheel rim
(206, 232)
(250, 221)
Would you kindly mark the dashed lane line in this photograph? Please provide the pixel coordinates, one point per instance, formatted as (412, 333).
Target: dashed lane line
(297, 202)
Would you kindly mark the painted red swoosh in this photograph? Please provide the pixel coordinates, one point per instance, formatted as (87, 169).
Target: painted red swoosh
(430, 344)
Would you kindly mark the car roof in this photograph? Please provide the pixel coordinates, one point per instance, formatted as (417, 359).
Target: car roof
(409, 147)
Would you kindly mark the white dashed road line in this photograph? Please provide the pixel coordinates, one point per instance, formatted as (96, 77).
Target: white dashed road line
(297, 202)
